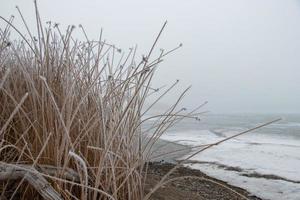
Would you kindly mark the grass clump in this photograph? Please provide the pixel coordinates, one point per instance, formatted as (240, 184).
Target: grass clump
(71, 116)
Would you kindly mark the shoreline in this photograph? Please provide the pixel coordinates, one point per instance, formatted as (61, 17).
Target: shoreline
(201, 186)
(196, 186)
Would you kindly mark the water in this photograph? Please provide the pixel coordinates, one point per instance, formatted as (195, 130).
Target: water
(266, 161)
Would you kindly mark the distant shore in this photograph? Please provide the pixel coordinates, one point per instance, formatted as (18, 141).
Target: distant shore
(203, 187)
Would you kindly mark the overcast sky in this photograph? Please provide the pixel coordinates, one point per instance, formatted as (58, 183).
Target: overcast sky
(239, 55)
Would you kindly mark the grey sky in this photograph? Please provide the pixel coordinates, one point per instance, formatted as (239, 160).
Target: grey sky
(240, 55)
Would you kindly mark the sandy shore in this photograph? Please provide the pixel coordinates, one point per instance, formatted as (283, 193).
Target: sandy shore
(198, 186)
(166, 151)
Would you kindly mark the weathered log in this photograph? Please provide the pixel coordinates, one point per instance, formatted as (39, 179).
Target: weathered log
(66, 173)
(35, 179)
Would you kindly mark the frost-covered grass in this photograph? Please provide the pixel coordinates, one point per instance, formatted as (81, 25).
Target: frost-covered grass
(72, 111)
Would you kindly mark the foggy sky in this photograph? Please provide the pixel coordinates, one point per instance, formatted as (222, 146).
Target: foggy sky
(239, 55)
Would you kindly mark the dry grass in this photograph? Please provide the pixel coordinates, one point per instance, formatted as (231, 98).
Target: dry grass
(73, 112)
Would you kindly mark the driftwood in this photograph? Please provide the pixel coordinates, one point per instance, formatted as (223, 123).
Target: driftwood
(35, 179)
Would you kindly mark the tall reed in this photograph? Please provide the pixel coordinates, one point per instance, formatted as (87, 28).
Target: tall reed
(73, 112)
